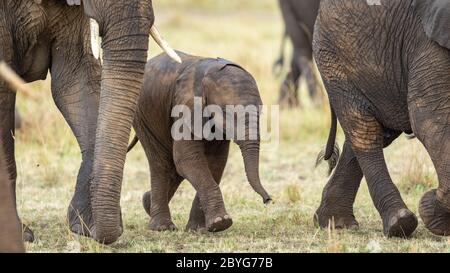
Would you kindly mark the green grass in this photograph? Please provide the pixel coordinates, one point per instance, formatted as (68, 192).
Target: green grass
(247, 32)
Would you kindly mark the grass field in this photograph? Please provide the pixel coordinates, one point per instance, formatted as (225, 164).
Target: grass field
(249, 33)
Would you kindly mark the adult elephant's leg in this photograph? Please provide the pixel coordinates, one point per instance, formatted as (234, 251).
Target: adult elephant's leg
(78, 103)
(367, 137)
(431, 124)
(76, 91)
(7, 112)
(289, 87)
(339, 194)
(307, 65)
(10, 231)
(191, 163)
(217, 156)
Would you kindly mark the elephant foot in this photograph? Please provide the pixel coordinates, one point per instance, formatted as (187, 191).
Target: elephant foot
(323, 218)
(27, 234)
(161, 223)
(435, 217)
(80, 220)
(400, 223)
(196, 223)
(147, 201)
(219, 223)
(196, 227)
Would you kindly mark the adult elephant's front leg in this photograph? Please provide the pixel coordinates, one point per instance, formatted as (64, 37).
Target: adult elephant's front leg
(431, 126)
(7, 102)
(76, 87)
(191, 163)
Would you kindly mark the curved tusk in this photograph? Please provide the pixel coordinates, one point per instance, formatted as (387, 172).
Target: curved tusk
(12, 79)
(164, 45)
(95, 38)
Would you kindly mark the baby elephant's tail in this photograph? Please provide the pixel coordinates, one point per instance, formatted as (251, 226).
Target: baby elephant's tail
(133, 144)
(331, 152)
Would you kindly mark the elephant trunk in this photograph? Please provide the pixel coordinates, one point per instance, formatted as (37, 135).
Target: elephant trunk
(250, 153)
(124, 59)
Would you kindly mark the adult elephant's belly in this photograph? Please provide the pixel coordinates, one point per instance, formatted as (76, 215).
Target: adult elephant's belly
(37, 62)
(390, 109)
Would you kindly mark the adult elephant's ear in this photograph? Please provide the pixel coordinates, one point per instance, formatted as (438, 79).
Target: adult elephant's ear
(435, 17)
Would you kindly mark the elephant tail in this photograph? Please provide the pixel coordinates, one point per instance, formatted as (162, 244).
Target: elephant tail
(133, 144)
(331, 152)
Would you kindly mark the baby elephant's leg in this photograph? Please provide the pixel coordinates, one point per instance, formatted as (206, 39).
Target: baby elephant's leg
(217, 155)
(161, 183)
(174, 183)
(192, 163)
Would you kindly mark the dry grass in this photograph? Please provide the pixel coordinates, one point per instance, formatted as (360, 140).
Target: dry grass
(247, 32)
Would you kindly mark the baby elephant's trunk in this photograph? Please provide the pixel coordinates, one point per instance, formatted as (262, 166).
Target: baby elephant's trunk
(250, 153)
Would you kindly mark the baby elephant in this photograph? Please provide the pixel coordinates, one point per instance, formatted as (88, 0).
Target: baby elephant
(171, 93)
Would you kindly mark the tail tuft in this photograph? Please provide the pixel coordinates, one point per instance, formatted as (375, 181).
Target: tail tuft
(331, 160)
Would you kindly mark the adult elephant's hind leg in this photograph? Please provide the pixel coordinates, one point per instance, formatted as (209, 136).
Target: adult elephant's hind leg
(368, 140)
(217, 156)
(288, 97)
(339, 194)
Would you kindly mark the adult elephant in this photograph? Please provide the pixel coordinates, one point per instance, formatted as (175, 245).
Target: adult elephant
(386, 68)
(97, 100)
(299, 18)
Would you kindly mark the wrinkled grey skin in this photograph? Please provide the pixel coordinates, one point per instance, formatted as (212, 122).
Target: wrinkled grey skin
(37, 36)
(11, 232)
(383, 76)
(168, 84)
(299, 18)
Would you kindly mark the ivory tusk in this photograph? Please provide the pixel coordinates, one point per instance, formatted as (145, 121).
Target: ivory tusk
(12, 79)
(95, 38)
(164, 45)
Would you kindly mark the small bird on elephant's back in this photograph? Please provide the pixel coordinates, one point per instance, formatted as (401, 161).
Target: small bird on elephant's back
(198, 158)
(386, 68)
